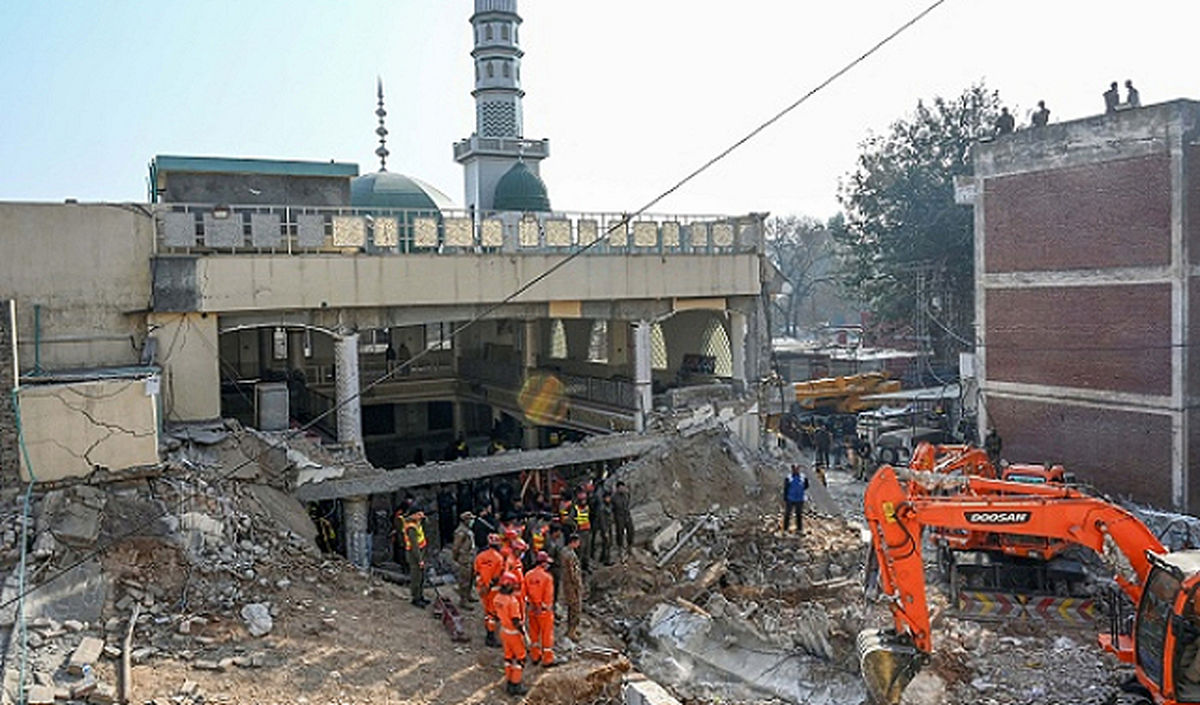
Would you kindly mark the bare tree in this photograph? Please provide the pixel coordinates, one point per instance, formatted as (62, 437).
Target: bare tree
(803, 250)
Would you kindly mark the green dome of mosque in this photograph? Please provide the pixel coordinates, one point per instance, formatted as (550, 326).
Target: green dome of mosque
(520, 190)
(385, 189)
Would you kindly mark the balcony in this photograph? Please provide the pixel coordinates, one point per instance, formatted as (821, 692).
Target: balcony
(297, 230)
(501, 147)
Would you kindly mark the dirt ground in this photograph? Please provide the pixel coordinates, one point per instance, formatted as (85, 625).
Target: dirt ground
(349, 639)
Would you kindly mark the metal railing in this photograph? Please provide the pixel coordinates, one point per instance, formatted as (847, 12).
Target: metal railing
(182, 228)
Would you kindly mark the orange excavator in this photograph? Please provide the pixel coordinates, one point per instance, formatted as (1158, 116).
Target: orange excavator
(1164, 642)
(993, 559)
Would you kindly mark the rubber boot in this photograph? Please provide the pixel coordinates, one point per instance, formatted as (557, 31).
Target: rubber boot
(491, 640)
(517, 689)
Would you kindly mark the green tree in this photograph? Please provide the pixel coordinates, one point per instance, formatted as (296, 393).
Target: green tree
(803, 251)
(903, 232)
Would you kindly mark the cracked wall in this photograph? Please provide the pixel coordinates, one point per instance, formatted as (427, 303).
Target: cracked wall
(73, 428)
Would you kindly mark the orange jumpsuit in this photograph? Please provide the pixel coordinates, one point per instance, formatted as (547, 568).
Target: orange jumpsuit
(539, 596)
(489, 565)
(512, 564)
(508, 610)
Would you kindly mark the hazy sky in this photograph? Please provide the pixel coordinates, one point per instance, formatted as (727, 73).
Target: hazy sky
(632, 94)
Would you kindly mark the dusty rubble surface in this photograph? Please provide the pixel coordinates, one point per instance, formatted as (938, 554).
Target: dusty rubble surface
(234, 602)
(743, 613)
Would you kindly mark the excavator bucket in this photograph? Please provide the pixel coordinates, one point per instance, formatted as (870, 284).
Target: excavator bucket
(888, 662)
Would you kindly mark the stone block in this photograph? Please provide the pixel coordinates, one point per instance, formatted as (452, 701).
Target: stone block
(86, 654)
(40, 695)
(666, 538)
(104, 694)
(646, 692)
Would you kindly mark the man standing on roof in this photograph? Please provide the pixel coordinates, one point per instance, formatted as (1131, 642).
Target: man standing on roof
(539, 603)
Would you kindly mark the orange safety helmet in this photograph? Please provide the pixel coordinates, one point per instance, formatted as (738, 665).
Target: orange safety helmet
(511, 533)
(543, 557)
(509, 578)
(520, 545)
(494, 540)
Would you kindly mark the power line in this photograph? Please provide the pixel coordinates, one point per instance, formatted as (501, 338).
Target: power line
(492, 308)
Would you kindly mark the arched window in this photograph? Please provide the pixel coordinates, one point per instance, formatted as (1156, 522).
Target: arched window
(491, 70)
(716, 343)
(598, 342)
(504, 31)
(558, 340)
(658, 348)
(507, 69)
(488, 32)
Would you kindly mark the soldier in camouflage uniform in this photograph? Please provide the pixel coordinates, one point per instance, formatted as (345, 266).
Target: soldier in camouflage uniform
(463, 553)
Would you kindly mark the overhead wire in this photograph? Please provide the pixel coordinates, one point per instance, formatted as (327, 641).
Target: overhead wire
(519, 291)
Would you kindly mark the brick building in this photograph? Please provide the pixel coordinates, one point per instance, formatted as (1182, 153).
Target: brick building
(1086, 298)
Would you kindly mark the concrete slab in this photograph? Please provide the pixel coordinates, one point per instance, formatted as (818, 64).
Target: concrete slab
(285, 510)
(646, 692)
(40, 695)
(78, 594)
(86, 654)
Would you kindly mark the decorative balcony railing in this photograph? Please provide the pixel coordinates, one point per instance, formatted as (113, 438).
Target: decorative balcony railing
(254, 229)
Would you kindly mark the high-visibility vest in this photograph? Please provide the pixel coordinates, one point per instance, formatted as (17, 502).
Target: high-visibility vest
(539, 538)
(582, 521)
(420, 534)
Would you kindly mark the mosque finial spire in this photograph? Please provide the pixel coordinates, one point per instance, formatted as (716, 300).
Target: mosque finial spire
(382, 152)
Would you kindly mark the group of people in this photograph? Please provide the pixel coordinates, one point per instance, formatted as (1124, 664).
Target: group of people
(1006, 123)
(1112, 97)
(520, 565)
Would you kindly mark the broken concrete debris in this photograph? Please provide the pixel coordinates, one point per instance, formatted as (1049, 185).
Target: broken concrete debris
(257, 616)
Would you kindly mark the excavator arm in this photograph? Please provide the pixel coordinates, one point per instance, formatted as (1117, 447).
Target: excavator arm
(897, 512)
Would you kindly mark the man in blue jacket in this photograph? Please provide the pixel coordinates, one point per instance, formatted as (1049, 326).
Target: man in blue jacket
(794, 488)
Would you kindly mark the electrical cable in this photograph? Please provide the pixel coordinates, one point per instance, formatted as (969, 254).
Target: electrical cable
(492, 308)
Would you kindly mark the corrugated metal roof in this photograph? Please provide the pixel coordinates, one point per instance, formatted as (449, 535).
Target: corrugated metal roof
(231, 165)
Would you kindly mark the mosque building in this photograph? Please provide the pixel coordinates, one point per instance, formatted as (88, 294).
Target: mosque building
(288, 292)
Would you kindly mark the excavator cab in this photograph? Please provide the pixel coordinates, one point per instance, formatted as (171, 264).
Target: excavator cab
(1166, 640)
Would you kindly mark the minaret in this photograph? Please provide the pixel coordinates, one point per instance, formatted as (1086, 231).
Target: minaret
(498, 142)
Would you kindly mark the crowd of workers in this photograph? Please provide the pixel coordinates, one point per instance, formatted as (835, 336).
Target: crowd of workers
(521, 565)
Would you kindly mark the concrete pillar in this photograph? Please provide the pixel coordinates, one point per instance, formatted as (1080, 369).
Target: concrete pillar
(355, 517)
(618, 343)
(295, 344)
(641, 373)
(460, 426)
(531, 343)
(349, 406)
(737, 348)
(530, 437)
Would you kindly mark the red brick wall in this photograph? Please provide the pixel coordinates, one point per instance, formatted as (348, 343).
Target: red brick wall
(1115, 338)
(1112, 214)
(1120, 452)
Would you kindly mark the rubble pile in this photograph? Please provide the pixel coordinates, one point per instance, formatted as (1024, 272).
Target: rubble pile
(196, 552)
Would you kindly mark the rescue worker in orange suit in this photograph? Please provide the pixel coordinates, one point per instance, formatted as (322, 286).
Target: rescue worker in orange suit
(539, 599)
(512, 633)
(489, 566)
(582, 520)
(515, 564)
(414, 549)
